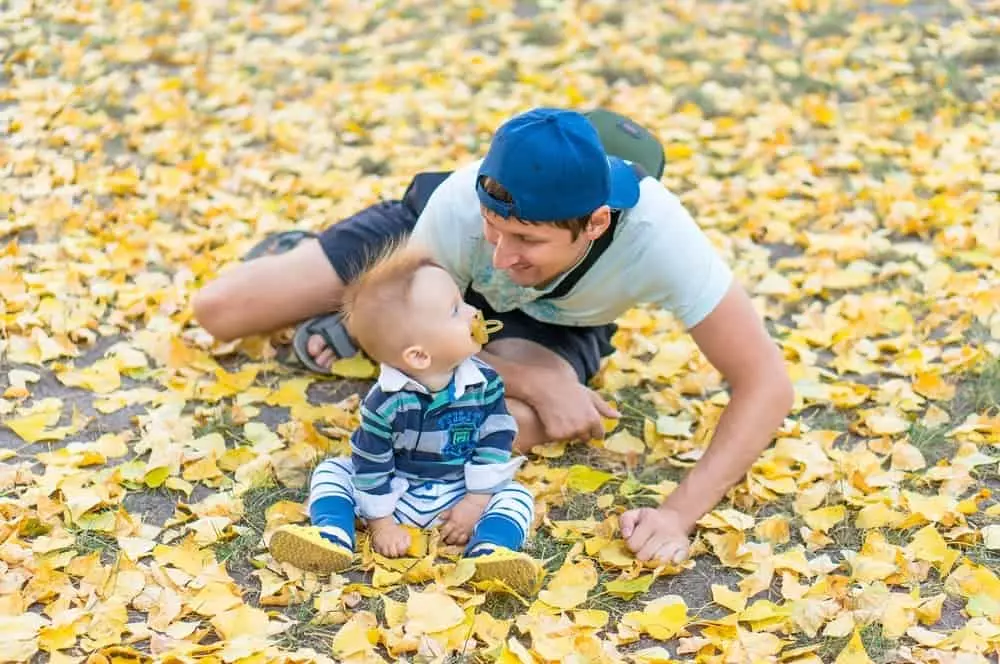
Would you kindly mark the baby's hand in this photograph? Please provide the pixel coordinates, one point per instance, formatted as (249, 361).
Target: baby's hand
(459, 521)
(388, 537)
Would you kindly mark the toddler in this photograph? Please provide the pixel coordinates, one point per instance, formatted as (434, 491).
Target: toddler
(434, 445)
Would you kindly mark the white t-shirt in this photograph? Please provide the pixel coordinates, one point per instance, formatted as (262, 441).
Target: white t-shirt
(658, 256)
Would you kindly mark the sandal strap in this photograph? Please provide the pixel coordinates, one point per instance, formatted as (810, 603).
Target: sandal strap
(278, 243)
(331, 329)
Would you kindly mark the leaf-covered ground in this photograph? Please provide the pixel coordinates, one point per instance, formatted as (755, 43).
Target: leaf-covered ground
(842, 156)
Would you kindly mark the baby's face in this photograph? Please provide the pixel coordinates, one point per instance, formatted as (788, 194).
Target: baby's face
(442, 320)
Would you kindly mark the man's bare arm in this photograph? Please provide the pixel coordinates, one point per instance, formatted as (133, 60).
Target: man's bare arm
(734, 340)
(546, 384)
(520, 378)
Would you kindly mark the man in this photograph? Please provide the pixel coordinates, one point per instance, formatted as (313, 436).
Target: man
(555, 239)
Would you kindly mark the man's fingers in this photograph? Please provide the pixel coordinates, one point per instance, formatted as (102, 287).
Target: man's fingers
(596, 431)
(627, 522)
(603, 407)
(672, 552)
(641, 537)
(649, 549)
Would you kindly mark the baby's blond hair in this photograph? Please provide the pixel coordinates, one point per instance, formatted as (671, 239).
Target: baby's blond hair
(376, 304)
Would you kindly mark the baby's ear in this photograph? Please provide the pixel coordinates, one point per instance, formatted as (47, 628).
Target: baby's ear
(416, 358)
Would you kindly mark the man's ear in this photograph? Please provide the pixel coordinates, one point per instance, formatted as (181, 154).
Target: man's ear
(599, 222)
(416, 358)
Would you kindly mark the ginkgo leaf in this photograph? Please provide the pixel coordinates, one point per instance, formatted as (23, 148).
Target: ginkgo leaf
(587, 480)
(569, 586)
(430, 612)
(624, 442)
(991, 537)
(661, 619)
(102, 377)
(356, 366)
(929, 545)
(854, 652)
(733, 600)
(241, 621)
(21, 635)
(825, 518)
(358, 636)
(673, 426)
(933, 386)
(629, 588)
(886, 422)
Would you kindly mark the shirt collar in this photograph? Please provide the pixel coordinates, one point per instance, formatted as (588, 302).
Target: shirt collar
(391, 379)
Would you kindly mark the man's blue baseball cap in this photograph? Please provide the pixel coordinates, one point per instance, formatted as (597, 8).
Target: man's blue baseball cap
(554, 166)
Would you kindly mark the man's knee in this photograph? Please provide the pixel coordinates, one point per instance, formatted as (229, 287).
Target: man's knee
(209, 308)
(268, 293)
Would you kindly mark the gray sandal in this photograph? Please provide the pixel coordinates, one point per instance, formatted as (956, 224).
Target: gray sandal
(329, 326)
(277, 243)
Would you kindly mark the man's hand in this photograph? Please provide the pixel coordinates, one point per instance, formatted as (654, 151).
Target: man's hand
(459, 521)
(655, 534)
(388, 537)
(571, 411)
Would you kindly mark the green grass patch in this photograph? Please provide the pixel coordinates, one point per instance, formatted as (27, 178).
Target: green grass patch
(977, 392)
(846, 535)
(503, 606)
(827, 419)
(830, 24)
(932, 442)
(304, 633)
(602, 600)
(239, 550)
(879, 648)
(543, 34)
(220, 420)
(547, 549)
(982, 555)
(92, 541)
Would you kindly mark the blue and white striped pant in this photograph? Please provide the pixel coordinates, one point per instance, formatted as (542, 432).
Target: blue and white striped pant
(505, 521)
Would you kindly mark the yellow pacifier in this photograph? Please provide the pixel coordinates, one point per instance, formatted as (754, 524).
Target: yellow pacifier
(482, 329)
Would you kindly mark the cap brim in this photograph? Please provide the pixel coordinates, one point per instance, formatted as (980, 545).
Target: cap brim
(624, 185)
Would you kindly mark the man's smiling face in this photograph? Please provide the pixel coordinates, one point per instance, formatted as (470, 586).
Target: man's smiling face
(533, 254)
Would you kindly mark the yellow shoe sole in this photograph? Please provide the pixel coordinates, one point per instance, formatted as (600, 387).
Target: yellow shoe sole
(305, 548)
(518, 571)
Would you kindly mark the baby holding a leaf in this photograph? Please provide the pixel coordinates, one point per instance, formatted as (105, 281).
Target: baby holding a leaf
(435, 441)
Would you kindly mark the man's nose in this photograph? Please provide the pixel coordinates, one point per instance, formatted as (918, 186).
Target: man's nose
(502, 258)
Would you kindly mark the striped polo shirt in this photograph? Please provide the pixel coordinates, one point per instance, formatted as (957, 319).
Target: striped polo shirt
(461, 433)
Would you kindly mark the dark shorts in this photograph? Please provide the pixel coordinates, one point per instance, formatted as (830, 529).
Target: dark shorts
(348, 243)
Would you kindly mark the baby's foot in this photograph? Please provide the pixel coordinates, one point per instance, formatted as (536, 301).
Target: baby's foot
(307, 548)
(518, 571)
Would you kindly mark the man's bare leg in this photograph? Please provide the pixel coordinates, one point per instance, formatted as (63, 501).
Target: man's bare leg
(530, 431)
(269, 293)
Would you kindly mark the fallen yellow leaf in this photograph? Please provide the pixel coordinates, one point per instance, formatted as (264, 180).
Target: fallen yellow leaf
(854, 652)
